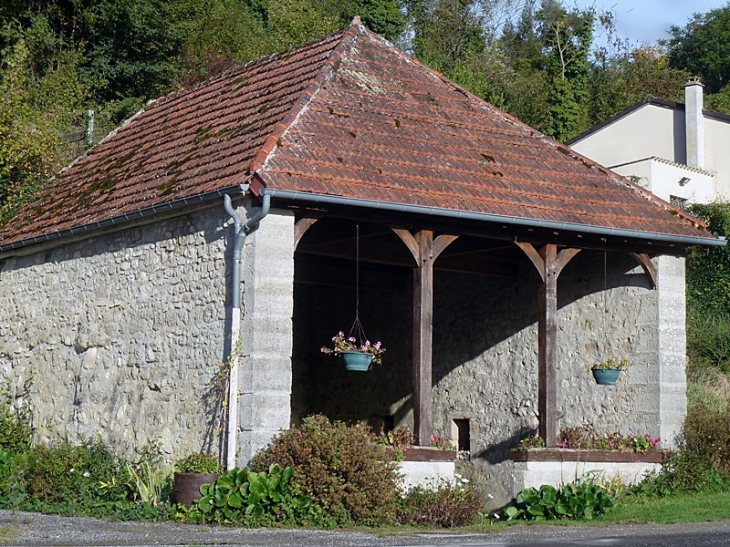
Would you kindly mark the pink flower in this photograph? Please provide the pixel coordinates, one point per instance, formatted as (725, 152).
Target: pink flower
(352, 339)
(299, 432)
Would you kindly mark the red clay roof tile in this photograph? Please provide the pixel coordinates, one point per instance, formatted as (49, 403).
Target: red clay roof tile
(350, 116)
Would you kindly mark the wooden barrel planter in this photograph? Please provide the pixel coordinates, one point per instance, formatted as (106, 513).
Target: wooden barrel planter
(186, 487)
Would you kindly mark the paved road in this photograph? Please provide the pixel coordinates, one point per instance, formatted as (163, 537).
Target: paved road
(33, 530)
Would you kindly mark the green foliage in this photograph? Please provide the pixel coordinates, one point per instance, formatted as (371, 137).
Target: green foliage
(582, 500)
(701, 47)
(252, 499)
(87, 480)
(446, 506)
(708, 269)
(684, 472)
(340, 468)
(16, 431)
(73, 475)
(207, 464)
(707, 434)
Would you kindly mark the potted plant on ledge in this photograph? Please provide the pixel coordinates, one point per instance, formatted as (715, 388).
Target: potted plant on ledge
(606, 373)
(356, 356)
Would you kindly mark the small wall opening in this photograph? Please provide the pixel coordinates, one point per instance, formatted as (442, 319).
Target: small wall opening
(463, 437)
(382, 425)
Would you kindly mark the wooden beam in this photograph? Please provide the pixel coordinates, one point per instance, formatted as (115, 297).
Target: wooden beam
(425, 250)
(648, 267)
(422, 339)
(547, 347)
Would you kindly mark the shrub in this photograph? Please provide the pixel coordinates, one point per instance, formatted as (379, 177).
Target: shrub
(15, 429)
(445, 506)
(682, 472)
(707, 434)
(582, 500)
(75, 475)
(339, 467)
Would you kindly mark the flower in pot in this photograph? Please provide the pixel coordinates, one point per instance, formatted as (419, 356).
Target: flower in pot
(606, 373)
(357, 356)
(192, 472)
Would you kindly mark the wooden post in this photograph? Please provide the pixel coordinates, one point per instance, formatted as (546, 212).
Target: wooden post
(422, 339)
(547, 346)
(425, 250)
(548, 264)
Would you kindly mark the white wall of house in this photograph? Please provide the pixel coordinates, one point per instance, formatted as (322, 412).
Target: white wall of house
(658, 131)
(669, 181)
(650, 130)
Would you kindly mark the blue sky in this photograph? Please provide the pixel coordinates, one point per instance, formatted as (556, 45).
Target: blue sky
(648, 20)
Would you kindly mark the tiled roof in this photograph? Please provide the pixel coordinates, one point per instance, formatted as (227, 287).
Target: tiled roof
(347, 116)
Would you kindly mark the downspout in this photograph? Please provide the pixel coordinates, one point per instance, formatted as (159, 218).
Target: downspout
(241, 230)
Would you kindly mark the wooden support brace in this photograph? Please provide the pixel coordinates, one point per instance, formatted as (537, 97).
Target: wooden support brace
(648, 266)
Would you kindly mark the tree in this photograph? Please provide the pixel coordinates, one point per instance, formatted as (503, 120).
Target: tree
(701, 47)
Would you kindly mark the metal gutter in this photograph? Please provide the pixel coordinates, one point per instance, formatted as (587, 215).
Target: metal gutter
(127, 217)
(241, 230)
(324, 199)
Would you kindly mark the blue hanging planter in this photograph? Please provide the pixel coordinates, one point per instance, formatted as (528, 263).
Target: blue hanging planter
(606, 376)
(357, 360)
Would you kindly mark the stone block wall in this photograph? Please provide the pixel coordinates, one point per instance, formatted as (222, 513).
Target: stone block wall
(126, 331)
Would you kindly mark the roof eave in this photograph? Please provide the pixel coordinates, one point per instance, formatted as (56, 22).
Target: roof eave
(92, 228)
(522, 222)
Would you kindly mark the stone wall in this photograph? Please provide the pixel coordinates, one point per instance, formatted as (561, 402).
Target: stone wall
(125, 332)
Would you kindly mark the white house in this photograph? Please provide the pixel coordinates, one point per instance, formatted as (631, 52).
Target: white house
(678, 151)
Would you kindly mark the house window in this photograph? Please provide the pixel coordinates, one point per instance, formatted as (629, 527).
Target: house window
(676, 201)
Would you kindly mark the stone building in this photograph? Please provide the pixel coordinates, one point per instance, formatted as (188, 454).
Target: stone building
(220, 235)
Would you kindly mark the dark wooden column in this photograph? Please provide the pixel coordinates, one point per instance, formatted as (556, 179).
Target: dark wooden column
(425, 250)
(549, 263)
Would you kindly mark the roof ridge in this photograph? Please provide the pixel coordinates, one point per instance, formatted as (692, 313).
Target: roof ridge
(328, 66)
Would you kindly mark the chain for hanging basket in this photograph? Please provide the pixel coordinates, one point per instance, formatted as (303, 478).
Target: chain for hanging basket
(357, 331)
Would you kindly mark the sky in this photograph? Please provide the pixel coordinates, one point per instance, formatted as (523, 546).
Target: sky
(646, 21)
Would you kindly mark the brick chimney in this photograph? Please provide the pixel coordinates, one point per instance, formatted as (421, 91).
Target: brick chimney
(694, 123)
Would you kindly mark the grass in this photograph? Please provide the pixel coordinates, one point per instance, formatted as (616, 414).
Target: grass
(670, 510)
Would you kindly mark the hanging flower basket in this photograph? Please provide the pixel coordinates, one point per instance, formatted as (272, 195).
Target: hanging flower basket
(606, 376)
(356, 356)
(606, 373)
(357, 360)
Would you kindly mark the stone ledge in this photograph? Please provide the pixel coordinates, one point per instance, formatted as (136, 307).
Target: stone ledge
(428, 454)
(586, 455)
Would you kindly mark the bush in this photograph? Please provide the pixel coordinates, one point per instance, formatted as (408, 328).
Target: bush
(446, 506)
(15, 429)
(75, 475)
(682, 472)
(707, 434)
(88, 480)
(339, 467)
